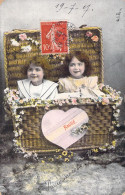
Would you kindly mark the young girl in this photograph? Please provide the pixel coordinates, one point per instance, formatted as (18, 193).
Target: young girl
(35, 86)
(78, 83)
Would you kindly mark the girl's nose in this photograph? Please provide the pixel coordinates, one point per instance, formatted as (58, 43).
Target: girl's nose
(76, 66)
(33, 71)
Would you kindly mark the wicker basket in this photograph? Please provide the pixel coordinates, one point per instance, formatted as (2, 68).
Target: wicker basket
(101, 116)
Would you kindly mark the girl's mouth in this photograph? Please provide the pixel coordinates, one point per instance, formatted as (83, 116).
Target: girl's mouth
(76, 71)
(33, 76)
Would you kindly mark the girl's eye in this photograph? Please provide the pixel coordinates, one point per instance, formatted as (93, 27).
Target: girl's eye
(72, 64)
(38, 69)
(79, 64)
(30, 69)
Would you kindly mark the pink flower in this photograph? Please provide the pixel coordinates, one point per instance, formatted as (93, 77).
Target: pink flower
(74, 101)
(60, 103)
(22, 36)
(95, 38)
(16, 98)
(105, 101)
(89, 34)
(10, 99)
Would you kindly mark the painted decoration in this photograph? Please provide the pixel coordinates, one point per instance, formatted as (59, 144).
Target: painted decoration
(58, 126)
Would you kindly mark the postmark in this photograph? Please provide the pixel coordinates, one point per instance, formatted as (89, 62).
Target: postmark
(54, 37)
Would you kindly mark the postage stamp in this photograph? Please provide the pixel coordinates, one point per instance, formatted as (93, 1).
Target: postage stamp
(54, 37)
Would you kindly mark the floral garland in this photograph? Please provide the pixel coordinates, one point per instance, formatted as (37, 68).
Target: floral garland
(26, 44)
(24, 38)
(12, 98)
(111, 96)
(91, 37)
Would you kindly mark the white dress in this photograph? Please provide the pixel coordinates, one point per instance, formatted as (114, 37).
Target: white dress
(85, 87)
(46, 90)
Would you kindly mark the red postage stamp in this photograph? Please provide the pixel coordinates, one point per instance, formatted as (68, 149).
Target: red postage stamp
(54, 37)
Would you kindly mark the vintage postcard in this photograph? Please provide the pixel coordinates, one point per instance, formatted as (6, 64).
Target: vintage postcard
(62, 97)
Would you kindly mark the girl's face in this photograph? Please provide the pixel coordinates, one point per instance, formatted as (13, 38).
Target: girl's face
(35, 74)
(76, 68)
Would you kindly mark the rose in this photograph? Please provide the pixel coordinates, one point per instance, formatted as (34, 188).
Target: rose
(74, 102)
(95, 38)
(22, 36)
(105, 101)
(89, 34)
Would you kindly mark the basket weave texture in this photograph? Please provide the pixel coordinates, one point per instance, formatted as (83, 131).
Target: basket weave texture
(98, 134)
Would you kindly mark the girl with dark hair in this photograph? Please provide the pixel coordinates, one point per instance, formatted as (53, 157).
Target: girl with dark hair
(35, 86)
(78, 80)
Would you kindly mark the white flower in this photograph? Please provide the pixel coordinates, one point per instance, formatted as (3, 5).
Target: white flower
(22, 112)
(14, 42)
(6, 90)
(36, 43)
(16, 133)
(114, 107)
(29, 39)
(117, 110)
(26, 48)
(17, 116)
(20, 131)
(17, 124)
(14, 140)
(115, 133)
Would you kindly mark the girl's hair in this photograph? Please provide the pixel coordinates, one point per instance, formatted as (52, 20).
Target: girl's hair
(82, 57)
(36, 61)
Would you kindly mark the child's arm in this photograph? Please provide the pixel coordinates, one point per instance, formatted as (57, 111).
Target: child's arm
(66, 86)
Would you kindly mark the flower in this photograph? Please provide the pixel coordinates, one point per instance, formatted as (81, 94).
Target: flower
(6, 90)
(105, 101)
(36, 43)
(14, 42)
(89, 34)
(95, 38)
(114, 143)
(29, 39)
(21, 101)
(59, 157)
(51, 159)
(95, 150)
(20, 131)
(66, 160)
(22, 112)
(60, 103)
(16, 133)
(64, 153)
(26, 48)
(58, 150)
(74, 101)
(22, 36)
(15, 97)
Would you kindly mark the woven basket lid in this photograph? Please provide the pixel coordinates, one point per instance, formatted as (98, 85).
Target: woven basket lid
(16, 60)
